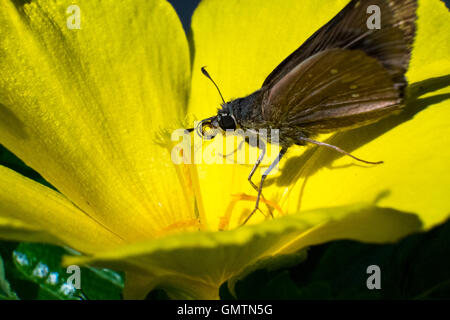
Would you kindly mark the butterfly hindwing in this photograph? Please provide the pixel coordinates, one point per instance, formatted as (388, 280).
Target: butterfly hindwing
(333, 89)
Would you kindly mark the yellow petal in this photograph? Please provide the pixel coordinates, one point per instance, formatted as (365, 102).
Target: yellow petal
(30, 211)
(430, 56)
(242, 42)
(83, 107)
(173, 263)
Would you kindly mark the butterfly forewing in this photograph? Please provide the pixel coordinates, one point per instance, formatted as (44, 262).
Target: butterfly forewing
(390, 45)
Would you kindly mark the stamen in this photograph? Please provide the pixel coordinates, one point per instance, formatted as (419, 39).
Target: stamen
(225, 219)
(179, 226)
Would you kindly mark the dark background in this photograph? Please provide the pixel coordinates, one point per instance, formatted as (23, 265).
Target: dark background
(185, 8)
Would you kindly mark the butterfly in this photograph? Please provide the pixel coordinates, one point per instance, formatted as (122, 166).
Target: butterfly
(346, 75)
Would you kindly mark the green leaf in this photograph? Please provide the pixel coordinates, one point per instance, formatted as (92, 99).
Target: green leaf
(5, 288)
(35, 272)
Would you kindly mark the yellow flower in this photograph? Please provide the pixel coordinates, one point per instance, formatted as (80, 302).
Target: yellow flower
(86, 108)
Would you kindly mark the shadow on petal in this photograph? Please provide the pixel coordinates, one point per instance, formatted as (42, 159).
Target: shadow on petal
(12, 124)
(301, 166)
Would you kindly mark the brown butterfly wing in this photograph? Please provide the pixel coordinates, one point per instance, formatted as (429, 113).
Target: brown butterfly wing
(390, 45)
(333, 89)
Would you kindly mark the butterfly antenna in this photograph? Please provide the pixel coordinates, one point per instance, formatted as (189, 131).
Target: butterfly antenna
(209, 77)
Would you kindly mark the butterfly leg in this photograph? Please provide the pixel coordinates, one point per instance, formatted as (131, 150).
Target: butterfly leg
(264, 176)
(258, 162)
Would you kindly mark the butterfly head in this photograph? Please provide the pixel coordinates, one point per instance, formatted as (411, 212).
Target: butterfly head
(210, 127)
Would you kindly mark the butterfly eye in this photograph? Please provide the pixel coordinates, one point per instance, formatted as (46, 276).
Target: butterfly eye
(227, 122)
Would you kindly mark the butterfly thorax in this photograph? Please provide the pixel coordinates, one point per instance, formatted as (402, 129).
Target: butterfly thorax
(249, 118)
